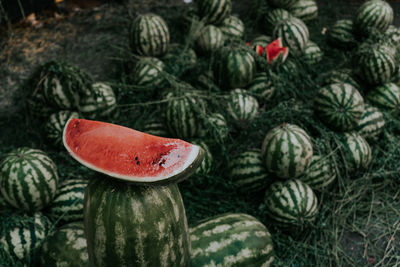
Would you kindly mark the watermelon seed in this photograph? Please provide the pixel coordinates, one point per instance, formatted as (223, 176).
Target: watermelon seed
(138, 162)
(136, 158)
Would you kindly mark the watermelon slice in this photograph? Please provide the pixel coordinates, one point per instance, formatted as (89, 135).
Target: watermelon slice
(276, 52)
(130, 155)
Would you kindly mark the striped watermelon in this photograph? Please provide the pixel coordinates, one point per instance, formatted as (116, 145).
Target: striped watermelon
(206, 165)
(149, 35)
(273, 17)
(232, 28)
(28, 179)
(209, 40)
(148, 72)
(320, 174)
(373, 15)
(130, 225)
(23, 238)
(287, 151)
(234, 68)
(294, 34)
(262, 40)
(242, 107)
(231, 239)
(248, 173)
(4, 205)
(341, 35)
(393, 33)
(286, 4)
(65, 247)
(291, 202)
(385, 97)
(183, 115)
(340, 106)
(342, 75)
(262, 88)
(305, 10)
(100, 104)
(371, 123)
(215, 126)
(214, 11)
(156, 127)
(38, 107)
(312, 53)
(179, 58)
(55, 125)
(355, 151)
(377, 64)
(67, 205)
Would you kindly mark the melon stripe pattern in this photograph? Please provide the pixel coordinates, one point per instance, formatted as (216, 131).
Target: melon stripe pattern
(248, 173)
(232, 27)
(231, 239)
(320, 174)
(210, 39)
(373, 14)
(262, 40)
(294, 34)
(148, 72)
(287, 151)
(206, 165)
(67, 205)
(242, 107)
(371, 123)
(377, 65)
(101, 103)
(339, 106)
(216, 127)
(262, 88)
(286, 4)
(149, 35)
(291, 202)
(356, 151)
(66, 246)
(214, 11)
(340, 35)
(130, 225)
(305, 10)
(57, 95)
(386, 98)
(21, 241)
(312, 53)
(55, 126)
(273, 17)
(340, 76)
(155, 127)
(394, 34)
(183, 115)
(28, 179)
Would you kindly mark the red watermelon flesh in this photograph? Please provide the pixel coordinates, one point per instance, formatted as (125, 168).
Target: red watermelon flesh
(275, 50)
(130, 155)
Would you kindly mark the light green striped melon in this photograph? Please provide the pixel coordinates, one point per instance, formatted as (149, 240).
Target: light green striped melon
(54, 126)
(342, 75)
(248, 173)
(355, 151)
(215, 126)
(214, 11)
(262, 87)
(67, 205)
(100, 104)
(149, 35)
(371, 123)
(209, 40)
(385, 97)
(24, 238)
(206, 165)
(231, 239)
(305, 10)
(4, 205)
(234, 68)
(183, 114)
(291, 203)
(377, 64)
(232, 28)
(262, 40)
(339, 106)
(38, 107)
(373, 15)
(286, 4)
(393, 33)
(241, 106)
(287, 151)
(312, 53)
(148, 72)
(341, 35)
(294, 34)
(130, 225)
(28, 179)
(57, 95)
(320, 174)
(156, 127)
(273, 18)
(179, 58)
(66, 246)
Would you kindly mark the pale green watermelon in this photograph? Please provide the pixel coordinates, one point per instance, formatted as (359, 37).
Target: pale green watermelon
(55, 125)
(320, 174)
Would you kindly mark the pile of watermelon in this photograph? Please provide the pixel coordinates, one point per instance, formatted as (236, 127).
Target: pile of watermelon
(219, 115)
